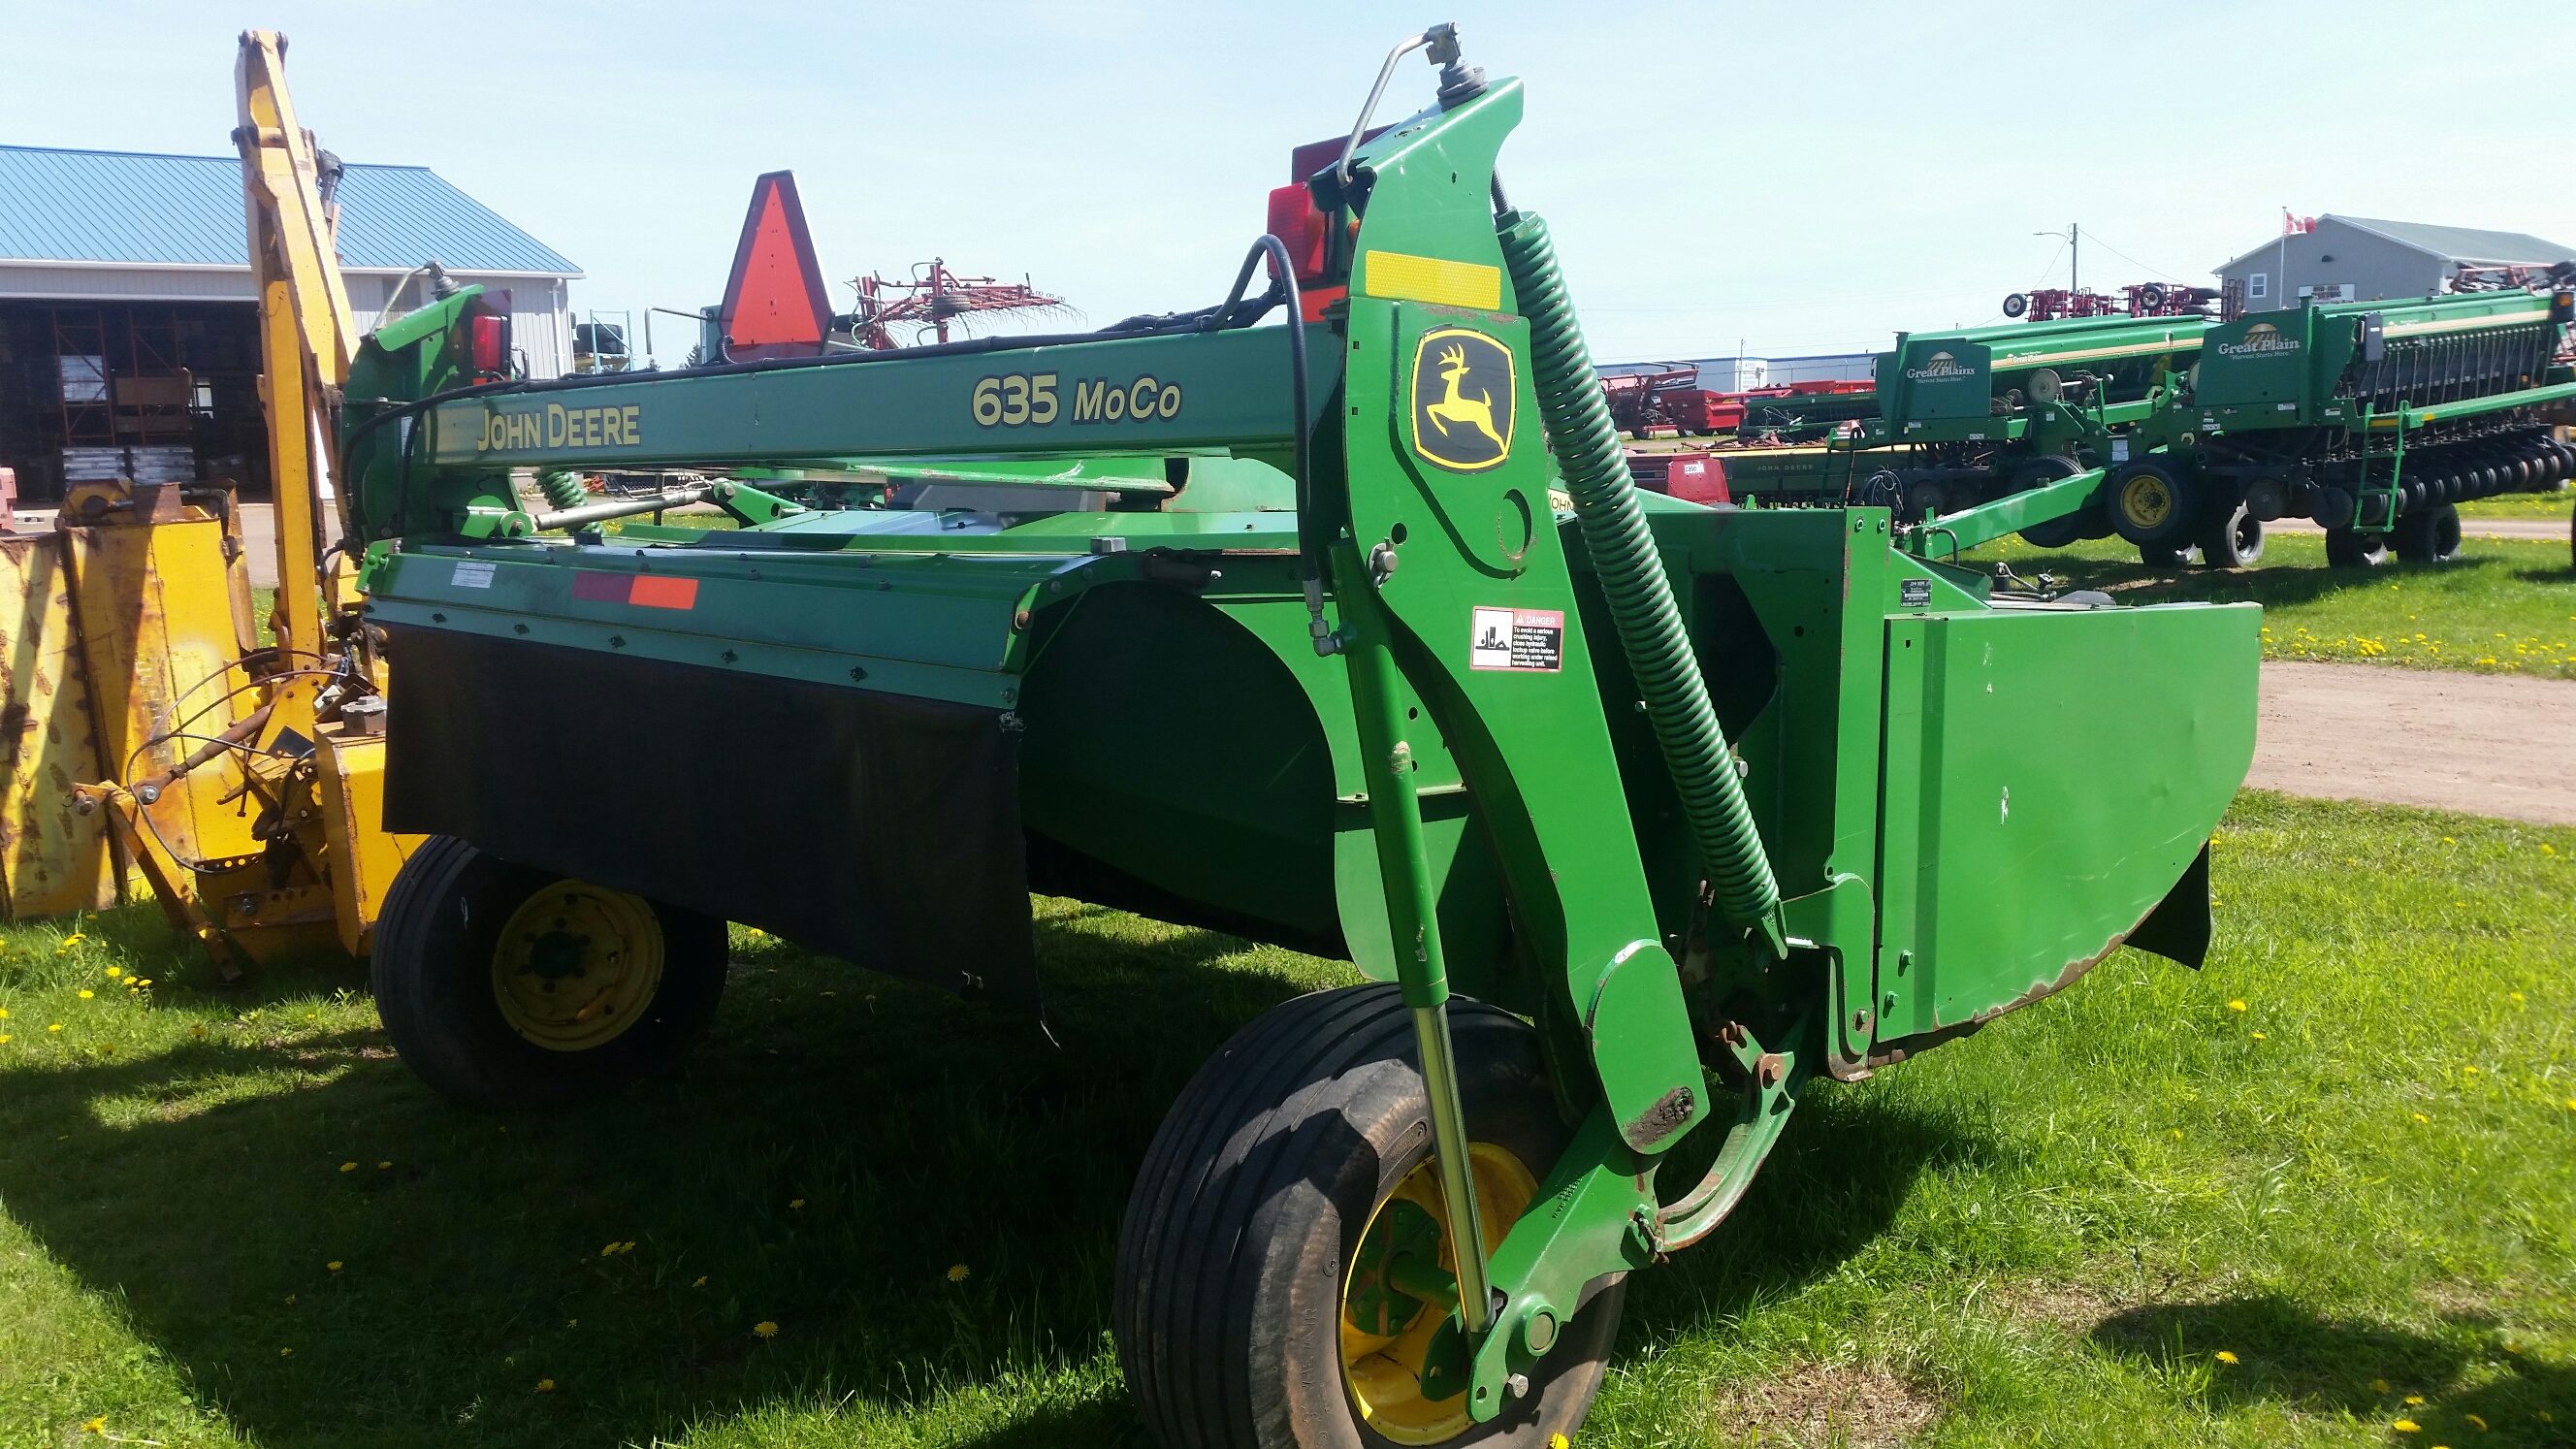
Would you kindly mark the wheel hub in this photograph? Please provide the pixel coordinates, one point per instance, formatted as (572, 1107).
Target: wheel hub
(1401, 1287)
(576, 965)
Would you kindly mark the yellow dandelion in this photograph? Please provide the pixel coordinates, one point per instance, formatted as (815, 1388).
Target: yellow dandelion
(2516, 997)
(2258, 1036)
(198, 1031)
(87, 994)
(1558, 1441)
(2472, 1071)
(2420, 1117)
(57, 1026)
(290, 1300)
(2379, 1386)
(2177, 1134)
(764, 1329)
(2414, 1401)
(4, 1036)
(348, 1167)
(75, 938)
(2446, 840)
(285, 1353)
(2236, 1006)
(381, 1166)
(333, 1265)
(701, 1283)
(957, 1272)
(2475, 1422)
(2547, 849)
(2225, 1357)
(113, 973)
(95, 1426)
(4, 1013)
(2405, 1426)
(545, 1386)
(795, 1203)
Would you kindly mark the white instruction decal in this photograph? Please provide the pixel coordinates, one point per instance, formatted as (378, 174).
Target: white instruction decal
(1517, 639)
(471, 573)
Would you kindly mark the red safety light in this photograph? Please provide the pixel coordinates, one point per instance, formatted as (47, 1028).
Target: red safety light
(487, 345)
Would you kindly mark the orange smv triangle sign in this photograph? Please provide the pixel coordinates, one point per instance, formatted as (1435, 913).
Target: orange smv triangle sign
(775, 305)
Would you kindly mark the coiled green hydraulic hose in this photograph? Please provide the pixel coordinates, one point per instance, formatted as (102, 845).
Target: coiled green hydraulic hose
(1586, 445)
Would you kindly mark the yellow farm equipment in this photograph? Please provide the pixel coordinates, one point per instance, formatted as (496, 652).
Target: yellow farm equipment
(151, 731)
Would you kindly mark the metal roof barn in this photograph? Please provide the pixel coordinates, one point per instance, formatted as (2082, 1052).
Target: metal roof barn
(128, 330)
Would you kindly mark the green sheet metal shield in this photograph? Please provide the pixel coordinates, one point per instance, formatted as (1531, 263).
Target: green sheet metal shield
(1464, 385)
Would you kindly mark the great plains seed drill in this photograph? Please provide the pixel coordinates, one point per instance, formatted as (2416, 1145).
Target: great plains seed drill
(1961, 418)
(2373, 418)
(1644, 817)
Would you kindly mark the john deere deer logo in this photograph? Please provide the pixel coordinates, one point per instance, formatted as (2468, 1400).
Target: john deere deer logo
(1464, 383)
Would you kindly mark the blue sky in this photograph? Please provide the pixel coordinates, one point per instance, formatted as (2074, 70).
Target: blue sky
(1798, 177)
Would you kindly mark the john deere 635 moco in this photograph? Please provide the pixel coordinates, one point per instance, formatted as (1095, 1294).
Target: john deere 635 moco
(1644, 816)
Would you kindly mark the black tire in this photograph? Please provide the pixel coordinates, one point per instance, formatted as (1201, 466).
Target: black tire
(2152, 504)
(2233, 540)
(2430, 536)
(2346, 549)
(2039, 472)
(1252, 1203)
(2166, 556)
(435, 981)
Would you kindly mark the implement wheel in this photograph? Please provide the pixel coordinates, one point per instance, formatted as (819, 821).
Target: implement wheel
(505, 986)
(2430, 535)
(2346, 549)
(2234, 540)
(2039, 472)
(2152, 505)
(1257, 1303)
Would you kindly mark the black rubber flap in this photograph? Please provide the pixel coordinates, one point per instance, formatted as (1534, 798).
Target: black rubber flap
(879, 828)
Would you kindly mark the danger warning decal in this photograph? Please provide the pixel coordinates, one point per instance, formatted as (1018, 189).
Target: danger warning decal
(652, 591)
(1517, 639)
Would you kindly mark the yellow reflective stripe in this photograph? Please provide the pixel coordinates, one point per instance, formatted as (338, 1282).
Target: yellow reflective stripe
(1432, 279)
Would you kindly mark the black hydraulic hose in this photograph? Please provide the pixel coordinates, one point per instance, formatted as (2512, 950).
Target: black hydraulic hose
(1283, 288)
(1622, 547)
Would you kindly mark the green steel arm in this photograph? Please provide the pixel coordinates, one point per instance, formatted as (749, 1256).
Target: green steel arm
(1990, 521)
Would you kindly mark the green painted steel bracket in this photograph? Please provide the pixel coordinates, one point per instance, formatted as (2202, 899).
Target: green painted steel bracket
(1987, 522)
(1841, 922)
(1595, 1214)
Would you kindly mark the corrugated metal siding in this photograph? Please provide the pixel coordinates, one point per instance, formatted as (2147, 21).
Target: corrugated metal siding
(113, 206)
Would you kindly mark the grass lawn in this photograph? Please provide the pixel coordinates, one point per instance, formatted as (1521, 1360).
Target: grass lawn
(2272, 1202)
(2501, 607)
(2519, 505)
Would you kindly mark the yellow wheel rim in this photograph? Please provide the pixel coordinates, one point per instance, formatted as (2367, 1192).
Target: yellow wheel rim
(1384, 1331)
(576, 966)
(2146, 500)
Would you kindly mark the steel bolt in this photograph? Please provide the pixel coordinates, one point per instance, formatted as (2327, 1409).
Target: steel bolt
(148, 793)
(1518, 1384)
(1769, 1070)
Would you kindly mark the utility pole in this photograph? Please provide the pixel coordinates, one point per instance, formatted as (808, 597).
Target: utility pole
(2074, 257)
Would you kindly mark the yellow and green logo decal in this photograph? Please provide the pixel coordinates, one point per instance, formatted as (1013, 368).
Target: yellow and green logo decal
(1465, 387)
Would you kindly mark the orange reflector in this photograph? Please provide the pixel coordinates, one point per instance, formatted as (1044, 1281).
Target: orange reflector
(658, 591)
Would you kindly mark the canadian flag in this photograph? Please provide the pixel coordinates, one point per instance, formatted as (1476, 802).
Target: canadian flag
(2294, 225)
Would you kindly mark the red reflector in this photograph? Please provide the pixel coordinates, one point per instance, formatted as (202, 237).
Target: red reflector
(1295, 221)
(486, 345)
(601, 588)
